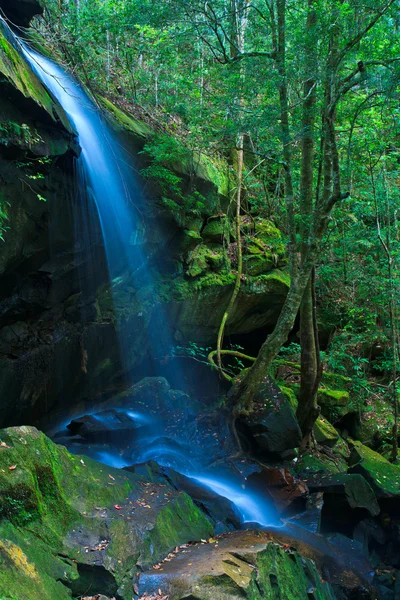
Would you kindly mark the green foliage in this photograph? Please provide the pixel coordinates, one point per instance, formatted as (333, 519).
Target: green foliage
(167, 153)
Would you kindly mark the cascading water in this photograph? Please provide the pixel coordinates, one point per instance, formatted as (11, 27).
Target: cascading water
(107, 179)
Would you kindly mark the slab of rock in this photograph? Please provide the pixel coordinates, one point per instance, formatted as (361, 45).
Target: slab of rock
(352, 488)
(383, 476)
(104, 426)
(253, 565)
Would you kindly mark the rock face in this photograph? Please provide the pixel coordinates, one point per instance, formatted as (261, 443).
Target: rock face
(252, 565)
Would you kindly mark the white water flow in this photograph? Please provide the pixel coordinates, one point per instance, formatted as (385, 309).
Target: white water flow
(112, 187)
(108, 176)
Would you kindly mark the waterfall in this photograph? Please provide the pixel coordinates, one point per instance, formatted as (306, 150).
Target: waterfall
(108, 186)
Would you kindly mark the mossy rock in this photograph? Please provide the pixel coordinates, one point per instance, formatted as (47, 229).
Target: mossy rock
(213, 170)
(217, 230)
(204, 258)
(350, 488)
(264, 250)
(334, 404)
(325, 433)
(310, 464)
(383, 476)
(241, 565)
(375, 423)
(54, 504)
(126, 121)
(20, 74)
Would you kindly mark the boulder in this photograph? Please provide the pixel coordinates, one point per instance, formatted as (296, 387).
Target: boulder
(107, 425)
(310, 519)
(286, 491)
(272, 427)
(334, 404)
(253, 565)
(325, 433)
(69, 524)
(309, 464)
(351, 488)
(383, 476)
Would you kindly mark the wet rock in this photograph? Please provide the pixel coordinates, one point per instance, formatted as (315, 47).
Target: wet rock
(67, 521)
(368, 532)
(350, 488)
(221, 510)
(286, 491)
(383, 476)
(252, 564)
(273, 427)
(105, 426)
(310, 519)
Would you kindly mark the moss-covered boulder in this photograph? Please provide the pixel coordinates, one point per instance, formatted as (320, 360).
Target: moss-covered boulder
(273, 426)
(383, 476)
(68, 522)
(217, 229)
(350, 488)
(334, 403)
(321, 464)
(264, 249)
(325, 433)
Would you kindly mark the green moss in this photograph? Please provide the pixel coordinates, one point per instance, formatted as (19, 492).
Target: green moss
(50, 502)
(334, 403)
(289, 573)
(203, 259)
(277, 275)
(383, 476)
(325, 433)
(290, 395)
(310, 464)
(264, 249)
(125, 120)
(171, 527)
(14, 67)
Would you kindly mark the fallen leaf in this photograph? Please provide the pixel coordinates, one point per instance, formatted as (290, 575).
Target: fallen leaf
(117, 506)
(111, 477)
(12, 467)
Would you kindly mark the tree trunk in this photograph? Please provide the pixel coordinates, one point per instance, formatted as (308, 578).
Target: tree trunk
(242, 393)
(307, 410)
